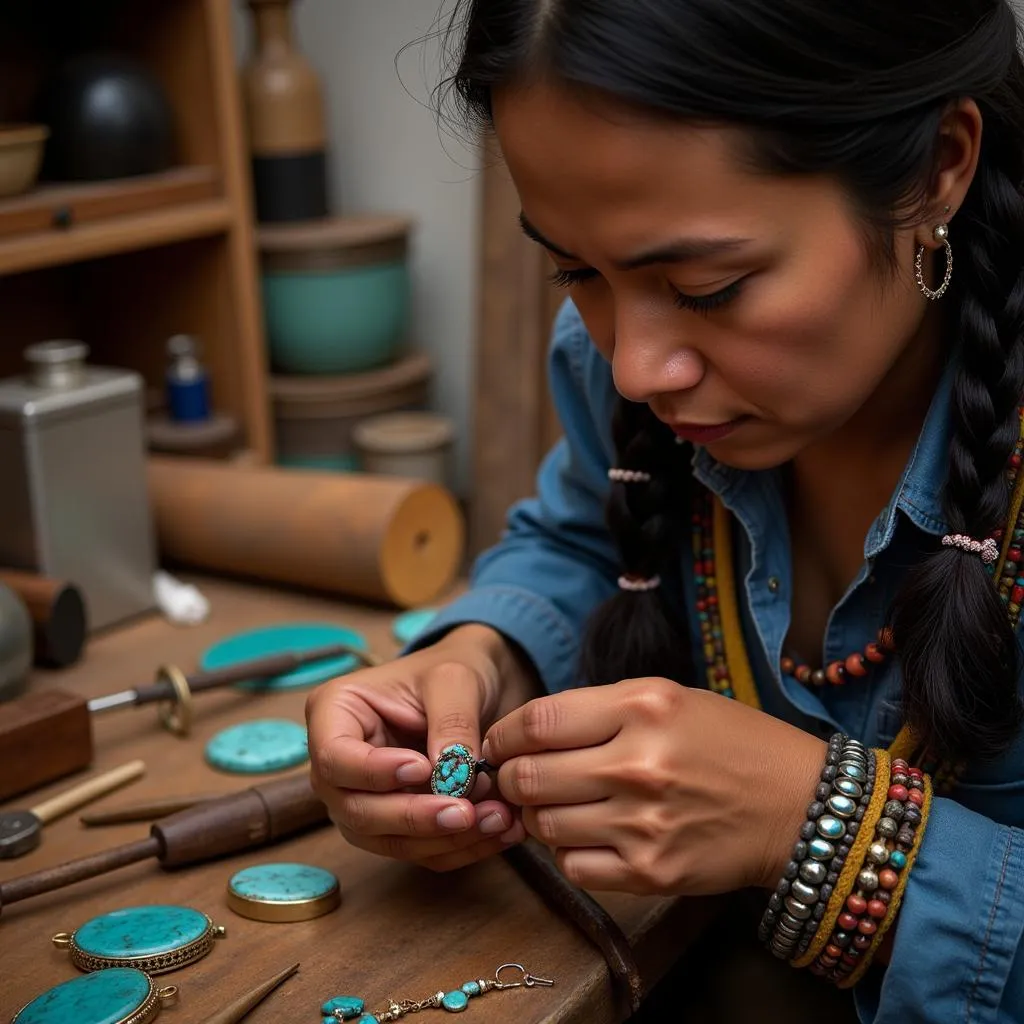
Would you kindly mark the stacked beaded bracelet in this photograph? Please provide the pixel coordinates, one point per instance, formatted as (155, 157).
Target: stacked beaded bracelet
(801, 898)
(866, 899)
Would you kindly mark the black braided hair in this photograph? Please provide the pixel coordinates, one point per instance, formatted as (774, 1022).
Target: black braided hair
(857, 92)
(960, 657)
(635, 633)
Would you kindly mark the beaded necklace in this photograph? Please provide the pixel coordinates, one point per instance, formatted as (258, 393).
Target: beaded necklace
(1010, 586)
(727, 668)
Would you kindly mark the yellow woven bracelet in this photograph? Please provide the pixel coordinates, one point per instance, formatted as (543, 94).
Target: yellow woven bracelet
(848, 876)
(897, 894)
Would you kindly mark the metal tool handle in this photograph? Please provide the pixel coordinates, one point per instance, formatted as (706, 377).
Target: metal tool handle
(91, 789)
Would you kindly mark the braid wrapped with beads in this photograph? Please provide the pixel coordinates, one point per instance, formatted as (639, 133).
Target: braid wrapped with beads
(634, 633)
(959, 654)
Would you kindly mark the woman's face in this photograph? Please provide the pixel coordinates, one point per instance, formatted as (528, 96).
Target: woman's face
(745, 305)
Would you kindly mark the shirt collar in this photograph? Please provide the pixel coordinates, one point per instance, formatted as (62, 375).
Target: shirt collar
(918, 494)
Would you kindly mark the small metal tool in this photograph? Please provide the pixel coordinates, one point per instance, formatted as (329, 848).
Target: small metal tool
(21, 831)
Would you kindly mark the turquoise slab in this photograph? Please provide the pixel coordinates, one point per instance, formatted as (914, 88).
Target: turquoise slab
(298, 636)
(349, 1006)
(263, 745)
(141, 931)
(454, 772)
(283, 883)
(407, 626)
(104, 997)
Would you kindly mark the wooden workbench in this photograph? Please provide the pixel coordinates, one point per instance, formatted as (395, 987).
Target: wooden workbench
(400, 931)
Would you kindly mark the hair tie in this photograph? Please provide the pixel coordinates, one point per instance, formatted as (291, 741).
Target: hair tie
(988, 549)
(639, 584)
(629, 476)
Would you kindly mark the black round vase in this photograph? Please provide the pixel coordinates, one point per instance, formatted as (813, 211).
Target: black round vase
(108, 118)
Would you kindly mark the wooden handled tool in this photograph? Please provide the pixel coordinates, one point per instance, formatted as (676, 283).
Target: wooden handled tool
(241, 1007)
(277, 810)
(47, 735)
(20, 831)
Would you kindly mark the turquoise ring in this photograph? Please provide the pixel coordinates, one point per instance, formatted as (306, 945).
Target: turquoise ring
(456, 770)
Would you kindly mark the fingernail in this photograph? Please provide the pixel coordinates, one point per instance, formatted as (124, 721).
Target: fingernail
(453, 818)
(485, 750)
(414, 771)
(494, 822)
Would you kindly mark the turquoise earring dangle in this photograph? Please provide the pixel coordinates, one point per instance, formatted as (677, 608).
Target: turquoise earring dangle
(352, 1008)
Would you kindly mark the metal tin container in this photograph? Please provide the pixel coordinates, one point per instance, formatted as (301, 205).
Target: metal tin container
(75, 502)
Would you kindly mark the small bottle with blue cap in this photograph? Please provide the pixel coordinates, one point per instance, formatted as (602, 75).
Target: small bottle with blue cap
(187, 382)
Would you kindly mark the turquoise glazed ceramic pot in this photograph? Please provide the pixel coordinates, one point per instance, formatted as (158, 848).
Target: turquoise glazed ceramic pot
(336, 293)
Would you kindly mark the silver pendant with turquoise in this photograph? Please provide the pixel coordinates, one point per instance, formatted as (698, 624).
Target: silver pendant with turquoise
(120, 995)
(455, 771)
(155, 939)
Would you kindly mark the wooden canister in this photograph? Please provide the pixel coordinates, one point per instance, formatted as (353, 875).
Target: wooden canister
(286, 120)
(58, 613)
(382, 539)
(315, 416)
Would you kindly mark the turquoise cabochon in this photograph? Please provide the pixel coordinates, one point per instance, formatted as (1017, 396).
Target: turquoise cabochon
(263, 745)
(296, 636)
(103, 997)
(141, 931)
(283, 882)
(407, 626)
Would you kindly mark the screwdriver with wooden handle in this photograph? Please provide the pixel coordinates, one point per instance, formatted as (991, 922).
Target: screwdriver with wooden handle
(20, 831)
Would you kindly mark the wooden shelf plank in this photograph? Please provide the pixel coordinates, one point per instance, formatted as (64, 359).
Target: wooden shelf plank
(60, 206)
(115, 235)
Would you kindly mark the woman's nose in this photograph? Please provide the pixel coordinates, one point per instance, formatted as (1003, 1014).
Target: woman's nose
(647, 362)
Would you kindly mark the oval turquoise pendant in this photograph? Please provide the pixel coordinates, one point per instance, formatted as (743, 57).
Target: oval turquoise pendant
(265, 745)
(154, 939)
(283, 892)
(118, 995)
(454, 772)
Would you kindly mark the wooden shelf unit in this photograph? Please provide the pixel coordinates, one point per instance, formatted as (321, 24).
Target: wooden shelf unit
(123, 265)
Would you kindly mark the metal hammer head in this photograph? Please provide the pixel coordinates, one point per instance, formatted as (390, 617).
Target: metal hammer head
(20, 832)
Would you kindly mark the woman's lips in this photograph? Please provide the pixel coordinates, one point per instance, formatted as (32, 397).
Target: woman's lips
(701, 434)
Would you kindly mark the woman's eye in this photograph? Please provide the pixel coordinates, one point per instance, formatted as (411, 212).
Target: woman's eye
(567, 278)
(707, 303)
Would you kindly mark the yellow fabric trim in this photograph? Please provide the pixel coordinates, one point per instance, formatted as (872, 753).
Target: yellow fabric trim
(854, 862)
(741, 677)
(897, 894)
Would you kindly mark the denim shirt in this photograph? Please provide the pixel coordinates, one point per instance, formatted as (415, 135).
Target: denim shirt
(957, 953)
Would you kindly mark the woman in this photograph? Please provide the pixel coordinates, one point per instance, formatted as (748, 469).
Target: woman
(787, 481)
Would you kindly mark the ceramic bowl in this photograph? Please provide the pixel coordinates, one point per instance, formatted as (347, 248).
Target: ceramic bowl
(21, 156)
(336, 294)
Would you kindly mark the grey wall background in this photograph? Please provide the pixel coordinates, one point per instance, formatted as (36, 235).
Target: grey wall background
(388, 155)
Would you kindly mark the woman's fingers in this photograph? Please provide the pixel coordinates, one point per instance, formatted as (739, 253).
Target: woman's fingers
(577, 826)
(559, 777)
(560, 721)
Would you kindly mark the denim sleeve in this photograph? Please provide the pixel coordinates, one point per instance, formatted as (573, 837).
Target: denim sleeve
(956, 957)
(555, 561)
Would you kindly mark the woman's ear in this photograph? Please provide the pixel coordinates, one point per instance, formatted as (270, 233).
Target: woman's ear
(958, 153)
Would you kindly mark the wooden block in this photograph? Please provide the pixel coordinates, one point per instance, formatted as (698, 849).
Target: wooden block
(43, 737)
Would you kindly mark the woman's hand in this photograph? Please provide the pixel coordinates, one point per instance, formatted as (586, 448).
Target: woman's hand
(374, 735)
(650, 787)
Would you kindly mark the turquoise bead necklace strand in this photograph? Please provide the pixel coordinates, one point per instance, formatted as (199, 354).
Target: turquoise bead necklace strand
(353, 1008)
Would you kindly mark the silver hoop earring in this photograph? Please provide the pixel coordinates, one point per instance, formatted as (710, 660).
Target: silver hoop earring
(940, 234)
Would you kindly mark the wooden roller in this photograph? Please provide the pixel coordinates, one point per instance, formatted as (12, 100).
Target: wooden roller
(378, 538)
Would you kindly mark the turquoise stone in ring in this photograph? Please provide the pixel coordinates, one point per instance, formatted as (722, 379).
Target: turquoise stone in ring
(153, 938)
(455, 1001)
(112, 996)
(264, 745)
(830, 827)
(347, 1006)
(454, 772)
